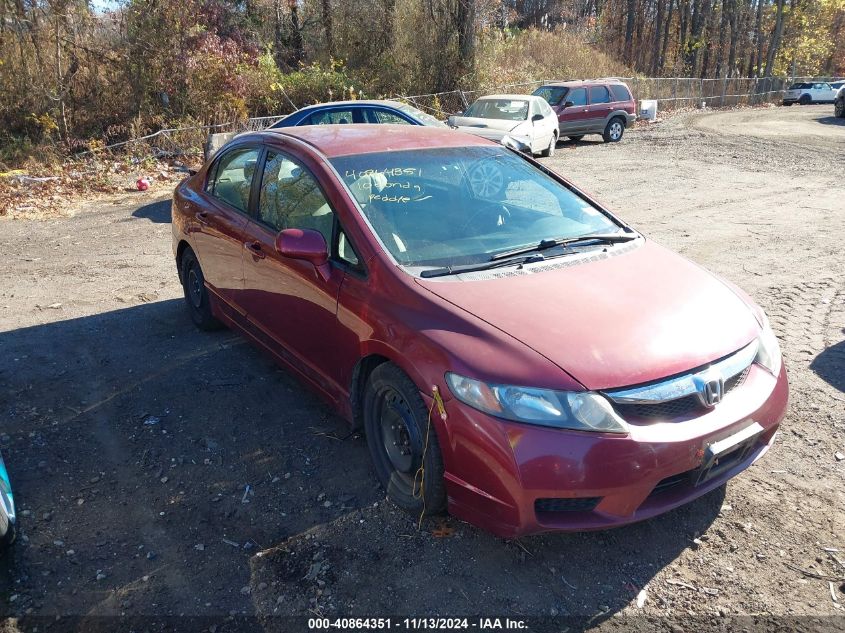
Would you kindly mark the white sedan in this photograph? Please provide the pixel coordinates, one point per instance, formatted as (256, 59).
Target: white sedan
(524, 117)
(809, 92)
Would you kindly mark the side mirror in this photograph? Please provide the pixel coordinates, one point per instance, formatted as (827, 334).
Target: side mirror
(568, 104)
(536, 117)
(451, 121)
(305, 244)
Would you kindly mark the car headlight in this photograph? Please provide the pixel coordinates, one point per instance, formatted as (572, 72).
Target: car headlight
(575, 410)
(768, 351)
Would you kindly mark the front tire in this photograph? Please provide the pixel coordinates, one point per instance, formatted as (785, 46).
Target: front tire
(196, 294)
(614, 130)
(839, 109)
(403, 442)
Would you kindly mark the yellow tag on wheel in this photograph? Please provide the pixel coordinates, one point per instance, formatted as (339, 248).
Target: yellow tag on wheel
(438, 401)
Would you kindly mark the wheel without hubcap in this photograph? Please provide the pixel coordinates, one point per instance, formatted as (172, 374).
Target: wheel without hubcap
(839, 109)
(196, 295)
(404, 450)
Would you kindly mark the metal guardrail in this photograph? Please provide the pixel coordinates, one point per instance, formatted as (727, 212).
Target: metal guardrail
(671, 93)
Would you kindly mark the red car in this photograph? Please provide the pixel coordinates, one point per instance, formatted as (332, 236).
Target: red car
(514, 352)
(597, 106)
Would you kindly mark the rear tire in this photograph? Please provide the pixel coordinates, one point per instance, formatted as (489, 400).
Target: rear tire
(614, 130)
(396, 422)
(839, 109)
(805, 99)
(576, 138)
(196, 294)
(550, 150)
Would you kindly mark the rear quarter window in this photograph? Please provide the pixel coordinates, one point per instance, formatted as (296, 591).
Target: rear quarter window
(619, 92)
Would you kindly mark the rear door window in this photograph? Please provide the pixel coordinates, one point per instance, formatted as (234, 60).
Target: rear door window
(599, 94)
(620, 92)
(331, 117)
(578, 96)
(233, 177)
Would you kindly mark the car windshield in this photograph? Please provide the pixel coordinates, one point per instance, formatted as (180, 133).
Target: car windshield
(506, 109)
(552, 94)
(425, 118)
(463, 205)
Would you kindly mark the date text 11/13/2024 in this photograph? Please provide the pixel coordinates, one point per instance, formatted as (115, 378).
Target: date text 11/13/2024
(417, 624)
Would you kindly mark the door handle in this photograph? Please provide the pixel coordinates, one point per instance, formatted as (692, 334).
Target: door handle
(202, 217)
(255, 249)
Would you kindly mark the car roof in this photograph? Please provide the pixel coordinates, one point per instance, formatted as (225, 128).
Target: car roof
(578, 83)
(354, 102)
(510, 96)
(366, 138)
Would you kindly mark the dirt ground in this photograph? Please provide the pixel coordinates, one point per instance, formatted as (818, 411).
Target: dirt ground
(161, 471)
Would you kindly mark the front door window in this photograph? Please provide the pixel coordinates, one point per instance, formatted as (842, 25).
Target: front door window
(290, 198)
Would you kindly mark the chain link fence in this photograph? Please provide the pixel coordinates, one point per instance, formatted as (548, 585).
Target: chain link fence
(671, 93)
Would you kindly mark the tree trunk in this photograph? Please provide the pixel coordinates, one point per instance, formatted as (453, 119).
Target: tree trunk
(658, 25)
(720, 51)
(298, 52)
(758, 36)
(326, 16)
(734, 20)
(666, 27)
(465, 25)
(629, 32)
(774, 44)
(708, 37)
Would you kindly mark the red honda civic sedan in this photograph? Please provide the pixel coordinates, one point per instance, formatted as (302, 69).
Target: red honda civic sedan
(514, 352)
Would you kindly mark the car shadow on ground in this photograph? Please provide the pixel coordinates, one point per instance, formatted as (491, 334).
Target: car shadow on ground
(830, 365)
(831, 120)
(156, 212)
(162, 471)
(158, 459)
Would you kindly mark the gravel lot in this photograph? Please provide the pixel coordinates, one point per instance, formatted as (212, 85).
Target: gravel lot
(161, 471)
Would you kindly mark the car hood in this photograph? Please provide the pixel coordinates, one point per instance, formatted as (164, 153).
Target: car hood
(492, 124)
(613, 321)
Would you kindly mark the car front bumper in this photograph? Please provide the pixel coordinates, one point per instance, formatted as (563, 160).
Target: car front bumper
(496, 471)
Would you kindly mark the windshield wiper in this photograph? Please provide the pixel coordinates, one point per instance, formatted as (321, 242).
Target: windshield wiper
(493, 263)
(610, 238)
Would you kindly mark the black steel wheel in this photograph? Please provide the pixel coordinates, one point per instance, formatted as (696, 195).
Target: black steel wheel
(196, 294)
(404, 449)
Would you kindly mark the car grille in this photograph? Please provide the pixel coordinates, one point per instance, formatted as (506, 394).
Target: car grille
(672, 409)
(681, 407)
(580, 504)
(677, 398)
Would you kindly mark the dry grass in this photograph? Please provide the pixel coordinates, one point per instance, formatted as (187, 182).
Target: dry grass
(533, 55)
